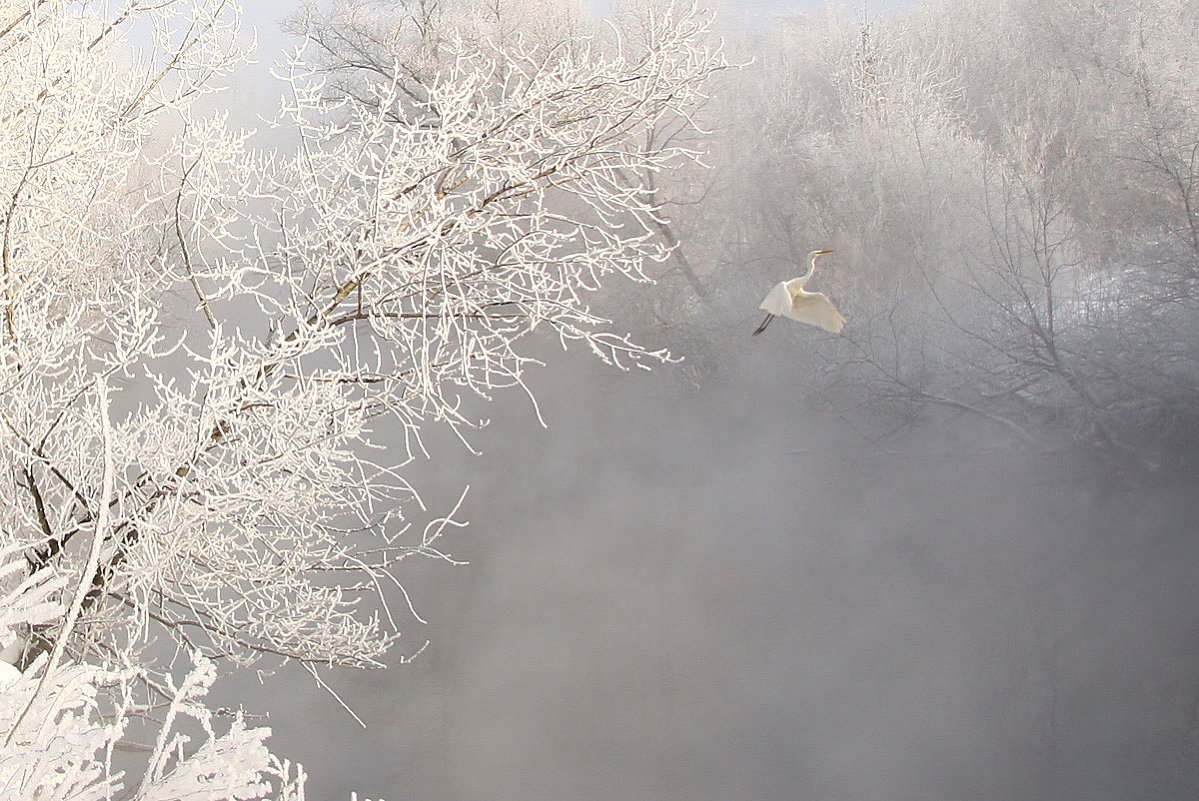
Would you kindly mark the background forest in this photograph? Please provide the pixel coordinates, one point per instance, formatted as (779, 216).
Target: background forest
(945, 554)
(1011, 192)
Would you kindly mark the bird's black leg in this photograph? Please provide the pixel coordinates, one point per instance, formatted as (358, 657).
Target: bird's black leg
(765, 323)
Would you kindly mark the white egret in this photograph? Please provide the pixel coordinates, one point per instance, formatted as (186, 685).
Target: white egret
(790, 299)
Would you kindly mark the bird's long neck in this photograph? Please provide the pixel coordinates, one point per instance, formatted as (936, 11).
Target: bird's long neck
(811, 269)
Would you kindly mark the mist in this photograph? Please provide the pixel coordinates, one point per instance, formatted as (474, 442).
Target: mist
(806, 567)
(679, 591)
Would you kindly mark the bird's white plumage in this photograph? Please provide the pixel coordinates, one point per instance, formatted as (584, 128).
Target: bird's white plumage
(790, 299)
(777, 300)
(814, 308)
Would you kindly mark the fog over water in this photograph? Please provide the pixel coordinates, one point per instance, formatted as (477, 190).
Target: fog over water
(683, 591)
(701, 583)
(945, 552)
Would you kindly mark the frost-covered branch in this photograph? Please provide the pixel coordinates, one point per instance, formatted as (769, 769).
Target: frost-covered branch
(272, 331)
(275, 328)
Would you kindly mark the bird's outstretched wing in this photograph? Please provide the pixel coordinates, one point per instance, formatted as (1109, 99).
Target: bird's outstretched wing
(814, 308)
(777, 300)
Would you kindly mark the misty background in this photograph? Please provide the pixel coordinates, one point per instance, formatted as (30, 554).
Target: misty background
(948, 555)
(680, 592)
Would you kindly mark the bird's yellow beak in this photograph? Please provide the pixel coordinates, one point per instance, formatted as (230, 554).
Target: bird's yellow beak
(822, 252)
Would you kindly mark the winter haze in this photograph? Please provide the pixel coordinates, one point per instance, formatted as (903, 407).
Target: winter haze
(949, 553)
(705, 584)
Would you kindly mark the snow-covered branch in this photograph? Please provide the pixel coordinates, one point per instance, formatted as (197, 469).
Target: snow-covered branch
(272, 330)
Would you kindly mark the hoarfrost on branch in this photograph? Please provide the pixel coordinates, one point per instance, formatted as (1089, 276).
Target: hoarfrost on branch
(253, 340)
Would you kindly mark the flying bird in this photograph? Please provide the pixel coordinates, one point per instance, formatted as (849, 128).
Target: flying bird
(790, 299)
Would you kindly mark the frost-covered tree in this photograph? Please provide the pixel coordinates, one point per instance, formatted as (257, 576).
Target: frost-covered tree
(216, 361)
